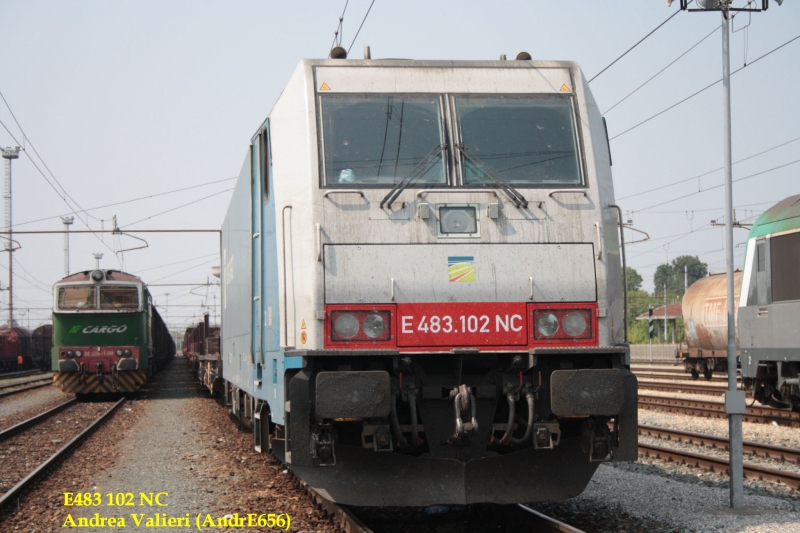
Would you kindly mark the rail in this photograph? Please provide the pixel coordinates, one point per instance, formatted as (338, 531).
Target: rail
(719, 465)
(543, 523)
(341, 515)
(768, 451)
(41, 417)
(677, 376)
(686, 387)
(754, 413)
(17, 489)
(29, 387)
(20, 374)
(29, 382)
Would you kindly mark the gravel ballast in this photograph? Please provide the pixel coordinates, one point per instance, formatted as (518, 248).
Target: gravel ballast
(173, 439)
(29, 401)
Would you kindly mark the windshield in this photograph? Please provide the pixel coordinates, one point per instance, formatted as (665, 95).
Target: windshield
(78, 297)
(119, 298)
(523, 140)
(378, 140)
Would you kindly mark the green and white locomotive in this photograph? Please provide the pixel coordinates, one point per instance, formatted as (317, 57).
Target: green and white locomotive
(769, 307)
(107, 335)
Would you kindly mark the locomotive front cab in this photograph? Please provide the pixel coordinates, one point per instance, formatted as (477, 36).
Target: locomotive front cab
(769, 330)
(100, 344)
(426, 300)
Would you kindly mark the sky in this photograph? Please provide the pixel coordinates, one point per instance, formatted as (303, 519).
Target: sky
(151, 105)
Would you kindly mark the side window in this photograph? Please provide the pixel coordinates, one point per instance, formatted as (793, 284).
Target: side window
(266, 161)
(785, 262)
(762, 258)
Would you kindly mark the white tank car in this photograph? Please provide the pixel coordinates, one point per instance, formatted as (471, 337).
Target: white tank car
(422, 285)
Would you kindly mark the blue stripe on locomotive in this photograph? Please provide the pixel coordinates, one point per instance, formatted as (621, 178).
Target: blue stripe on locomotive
(254, 358)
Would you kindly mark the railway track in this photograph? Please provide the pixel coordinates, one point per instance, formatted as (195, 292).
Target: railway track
(755, 413)
(22, 373)
(768, 451)
(14, 492)
(523, 517)
(9, 390)
(679, 377)
(34, 420)
(688, 387)
(719, 465)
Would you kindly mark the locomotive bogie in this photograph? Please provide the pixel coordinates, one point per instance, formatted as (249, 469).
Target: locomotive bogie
(421, 284)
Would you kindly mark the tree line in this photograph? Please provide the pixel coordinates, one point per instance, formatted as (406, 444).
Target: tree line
(669, 275)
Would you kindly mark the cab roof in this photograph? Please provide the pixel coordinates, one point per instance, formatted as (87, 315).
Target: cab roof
(783, 216)
(111, 275)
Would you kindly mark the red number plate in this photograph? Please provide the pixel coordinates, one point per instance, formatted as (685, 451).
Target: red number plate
(461, 324)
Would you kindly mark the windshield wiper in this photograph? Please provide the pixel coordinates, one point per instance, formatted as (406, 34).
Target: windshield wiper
(513, 194)
(415, 173)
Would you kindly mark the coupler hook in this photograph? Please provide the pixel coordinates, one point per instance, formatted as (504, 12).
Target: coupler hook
(463, 400)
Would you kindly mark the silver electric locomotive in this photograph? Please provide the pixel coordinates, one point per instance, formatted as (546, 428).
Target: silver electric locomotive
(422, 286)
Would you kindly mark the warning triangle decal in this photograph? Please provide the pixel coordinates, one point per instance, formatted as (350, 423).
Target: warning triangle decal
(303, 325)
(324, 87)
(564, 89)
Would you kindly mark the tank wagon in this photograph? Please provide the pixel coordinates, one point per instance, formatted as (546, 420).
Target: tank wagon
(705, 315)
(422, 294)
(15, 349)
(201, 349)
(769, 307)
(107, 335)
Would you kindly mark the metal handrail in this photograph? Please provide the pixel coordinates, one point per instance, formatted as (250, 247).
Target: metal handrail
(285, 297)
(567, 191)
(431, 191)
(345, 191)
(624, 271)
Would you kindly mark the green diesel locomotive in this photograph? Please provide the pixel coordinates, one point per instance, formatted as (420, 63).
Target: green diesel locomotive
(107, 335)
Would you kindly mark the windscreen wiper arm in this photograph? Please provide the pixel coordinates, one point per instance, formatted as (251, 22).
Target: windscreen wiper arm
(415, 173)
(513, 194)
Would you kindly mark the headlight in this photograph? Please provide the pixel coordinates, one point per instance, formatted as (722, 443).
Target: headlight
(63, 354)
(70, 353)
(574, 324)
(346, 326)
(78, 353)
(127, 353)
(374, 326)
(119, 353)
(547, 324)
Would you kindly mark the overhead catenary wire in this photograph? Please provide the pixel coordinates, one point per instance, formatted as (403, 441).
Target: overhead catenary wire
(717, 186)
(695, 45)
(184, 270)
(176, 208)
(30, 143)
(58, 193)
(702, 210)
(710, 171)
(635, 45)
(360, 26)
(177, 262)
(132, 200)
(40, 282)
(673, 106)
(339, 29)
